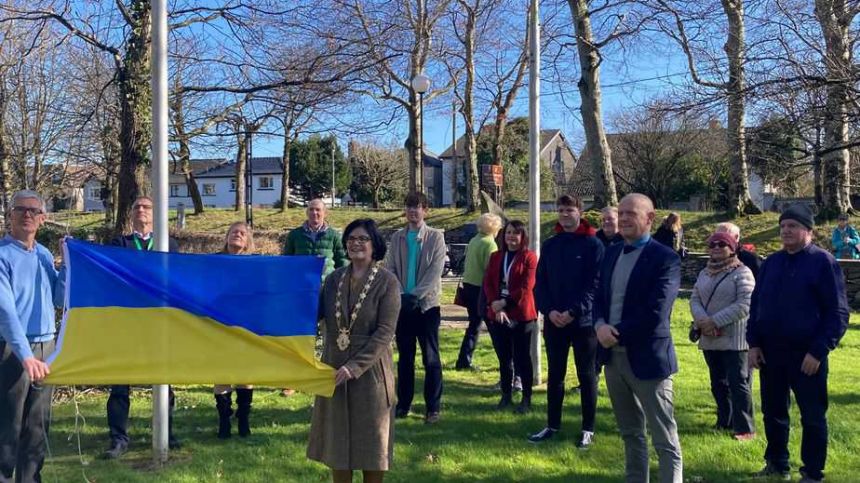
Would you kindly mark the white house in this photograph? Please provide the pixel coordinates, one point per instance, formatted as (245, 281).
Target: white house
(217, 184)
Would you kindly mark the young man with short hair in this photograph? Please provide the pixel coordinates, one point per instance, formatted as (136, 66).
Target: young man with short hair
(417, 258)
(564, 291)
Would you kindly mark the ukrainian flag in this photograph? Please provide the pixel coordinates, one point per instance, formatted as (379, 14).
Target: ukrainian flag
(136, 317)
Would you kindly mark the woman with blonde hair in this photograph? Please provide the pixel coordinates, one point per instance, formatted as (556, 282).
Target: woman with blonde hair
(478, 252)
(239, 241)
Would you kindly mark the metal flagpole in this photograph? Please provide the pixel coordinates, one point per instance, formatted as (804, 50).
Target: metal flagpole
(534, 160)
(159, 187)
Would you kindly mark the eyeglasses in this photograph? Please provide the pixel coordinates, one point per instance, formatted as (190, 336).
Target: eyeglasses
(717, 244)
(30, 211)
(358, 239)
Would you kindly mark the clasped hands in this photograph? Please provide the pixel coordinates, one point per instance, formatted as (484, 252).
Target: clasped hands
(707, 326)
(809, 366)
(560, 319)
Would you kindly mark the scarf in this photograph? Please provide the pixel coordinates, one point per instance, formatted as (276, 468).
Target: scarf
(714, 267)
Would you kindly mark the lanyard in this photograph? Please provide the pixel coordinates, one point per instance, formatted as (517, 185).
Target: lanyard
(507, 266)
(139, 246)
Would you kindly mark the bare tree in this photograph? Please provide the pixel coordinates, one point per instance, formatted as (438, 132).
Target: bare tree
(734, 86)
(399, 36)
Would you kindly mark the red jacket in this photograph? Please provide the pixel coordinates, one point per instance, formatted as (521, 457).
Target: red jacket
(521, 299)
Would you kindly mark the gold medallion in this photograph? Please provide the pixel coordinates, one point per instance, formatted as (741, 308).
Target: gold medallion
(343, 338)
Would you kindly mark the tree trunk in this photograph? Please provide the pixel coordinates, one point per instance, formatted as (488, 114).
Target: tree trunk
(835, 21)
(592, 117)
(5, 184)
(242, 140)
(111, 152)
(471, 145)
(135, 95)
(740, 200)
(184, 150)
(376, 191)
(285, 178)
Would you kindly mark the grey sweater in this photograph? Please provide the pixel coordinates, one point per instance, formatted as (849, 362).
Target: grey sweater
(729, 307)
(431, 262)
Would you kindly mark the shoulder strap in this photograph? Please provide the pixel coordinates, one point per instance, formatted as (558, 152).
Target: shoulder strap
(716, 286)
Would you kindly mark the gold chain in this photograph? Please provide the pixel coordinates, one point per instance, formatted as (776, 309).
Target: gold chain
(343, 333)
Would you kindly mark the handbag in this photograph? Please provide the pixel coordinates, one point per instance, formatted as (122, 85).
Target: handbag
(696, 334)
(460, 296)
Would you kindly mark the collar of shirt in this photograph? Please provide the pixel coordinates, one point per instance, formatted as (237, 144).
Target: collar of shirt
(19, 243)
(640, 242)
(321, 229)
(142, 236)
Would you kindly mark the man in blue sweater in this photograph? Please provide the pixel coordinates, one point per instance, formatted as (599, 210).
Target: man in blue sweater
(30, 287)
(798, 315)
(564, 290)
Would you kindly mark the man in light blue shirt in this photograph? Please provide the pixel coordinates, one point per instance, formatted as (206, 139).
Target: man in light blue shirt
(30, 287)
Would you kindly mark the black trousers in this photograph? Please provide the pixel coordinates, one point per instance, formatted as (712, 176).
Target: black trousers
(513, 349)
(558, 343)
(417, 328)
(117, 413)
(25, 414)
(779, 377)
(470, 338)
(730, 385)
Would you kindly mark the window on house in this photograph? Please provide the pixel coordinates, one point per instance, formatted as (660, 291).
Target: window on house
(174, 190)
(94, 193)
(266, 183)
(208, 190)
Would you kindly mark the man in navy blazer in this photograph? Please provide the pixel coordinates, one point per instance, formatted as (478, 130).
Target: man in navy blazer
(639, 280)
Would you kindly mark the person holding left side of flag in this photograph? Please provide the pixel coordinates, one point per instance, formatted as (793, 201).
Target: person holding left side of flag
(141, 238)
(360, 303)
(30, 287)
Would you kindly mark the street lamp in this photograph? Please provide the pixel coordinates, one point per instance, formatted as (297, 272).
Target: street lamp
(420, 84)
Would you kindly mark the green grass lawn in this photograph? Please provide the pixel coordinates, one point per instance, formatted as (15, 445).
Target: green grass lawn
(760, 230)
(472, 443)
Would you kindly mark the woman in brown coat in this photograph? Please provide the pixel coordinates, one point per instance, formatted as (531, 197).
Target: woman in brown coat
(353, 430)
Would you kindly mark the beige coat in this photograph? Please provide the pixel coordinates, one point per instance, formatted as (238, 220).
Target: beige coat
(354, 430)
(431, 263)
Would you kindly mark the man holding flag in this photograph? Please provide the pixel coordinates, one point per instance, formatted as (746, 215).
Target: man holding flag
(30, 287)
(141, 238)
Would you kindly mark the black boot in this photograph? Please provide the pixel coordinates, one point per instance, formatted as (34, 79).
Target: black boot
(243, 410)
(505, 402)
(224, 402)
(525, 405)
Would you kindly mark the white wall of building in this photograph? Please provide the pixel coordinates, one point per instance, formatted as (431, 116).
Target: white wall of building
(221, 192)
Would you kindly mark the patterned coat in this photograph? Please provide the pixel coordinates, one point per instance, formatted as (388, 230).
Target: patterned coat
(354, 429)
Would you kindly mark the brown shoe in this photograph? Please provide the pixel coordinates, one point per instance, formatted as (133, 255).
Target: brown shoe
(288, 392)
(432, 418)
(744, 436)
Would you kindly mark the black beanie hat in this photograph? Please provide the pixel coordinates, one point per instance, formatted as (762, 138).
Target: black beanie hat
(800, 213)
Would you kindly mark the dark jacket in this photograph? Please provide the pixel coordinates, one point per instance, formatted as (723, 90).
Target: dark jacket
(672, 239)
(608, 241)
(751, 260)
(127, 241)
(567, 273)
(799, 304)
(644, 330)
(326, 244)
(520, 301)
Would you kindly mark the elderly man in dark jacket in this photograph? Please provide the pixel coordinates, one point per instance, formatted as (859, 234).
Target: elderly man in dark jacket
(798, 315)
(564, 291)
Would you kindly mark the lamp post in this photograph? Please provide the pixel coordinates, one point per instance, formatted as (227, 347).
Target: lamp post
(420, 84)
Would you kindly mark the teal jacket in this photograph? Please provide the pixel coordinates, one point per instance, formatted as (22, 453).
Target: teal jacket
(326, 244)
(845, 243)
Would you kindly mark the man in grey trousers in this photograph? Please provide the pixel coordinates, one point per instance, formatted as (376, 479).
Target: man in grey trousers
(639, 280)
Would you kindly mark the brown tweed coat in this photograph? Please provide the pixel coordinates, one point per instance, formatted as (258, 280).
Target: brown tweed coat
(354, 430)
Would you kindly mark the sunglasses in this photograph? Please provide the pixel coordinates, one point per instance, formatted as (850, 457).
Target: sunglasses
(24, 209)
(718, 244)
